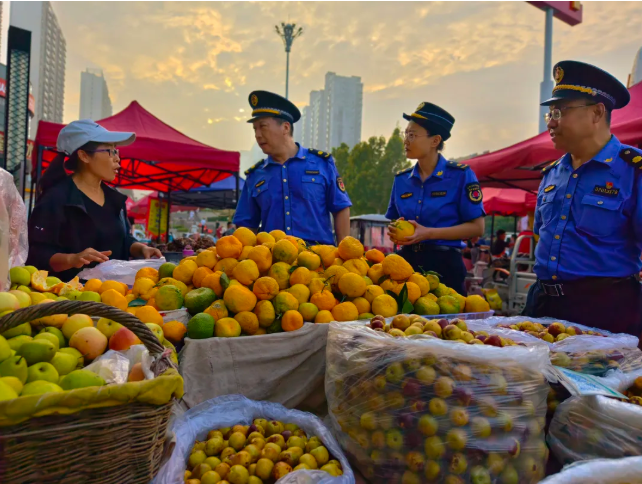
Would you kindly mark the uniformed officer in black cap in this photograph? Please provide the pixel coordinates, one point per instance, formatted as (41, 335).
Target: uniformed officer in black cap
(441, 198)
(589, 208)
(294, 189)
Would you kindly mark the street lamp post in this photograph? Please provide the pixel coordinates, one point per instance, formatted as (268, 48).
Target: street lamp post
(288, 32)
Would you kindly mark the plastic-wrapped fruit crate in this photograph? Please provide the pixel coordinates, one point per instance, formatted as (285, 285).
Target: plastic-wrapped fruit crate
(421, 409)
(600, 471)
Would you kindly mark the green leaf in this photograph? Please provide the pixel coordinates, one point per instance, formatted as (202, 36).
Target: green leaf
(403, 295)
(343, 298)
(382, 278)
(292, 269)
(392, 294)
(370, 263)
(275, 327)
(225, 281)
(432, 273)
(407, 307)
(136, 303)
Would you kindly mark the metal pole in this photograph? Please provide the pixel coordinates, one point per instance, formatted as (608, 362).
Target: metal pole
(169, 214)
(546, 87)
(492, 233)
(287, 73)
(238, 183)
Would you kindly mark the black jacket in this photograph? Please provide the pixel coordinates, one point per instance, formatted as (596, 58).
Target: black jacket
(59, 223)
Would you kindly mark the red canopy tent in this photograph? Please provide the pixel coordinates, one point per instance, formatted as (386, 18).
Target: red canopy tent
(140, 209)
(508, 201)
(162, 158)
(518, 166)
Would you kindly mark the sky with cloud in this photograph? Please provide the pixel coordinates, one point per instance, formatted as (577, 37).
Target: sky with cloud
(194, 64)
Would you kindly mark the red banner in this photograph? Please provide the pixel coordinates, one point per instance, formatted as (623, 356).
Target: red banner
(32, 100)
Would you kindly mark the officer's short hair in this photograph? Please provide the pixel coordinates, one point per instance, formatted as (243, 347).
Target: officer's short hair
(281, 121)
(607, 116)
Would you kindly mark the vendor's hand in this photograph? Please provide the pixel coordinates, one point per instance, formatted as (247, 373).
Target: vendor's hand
(88, 256)
(151, 252)
(392, 231)
(421, 233)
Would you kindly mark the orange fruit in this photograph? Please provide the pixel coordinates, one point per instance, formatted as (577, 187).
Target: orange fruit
(346, 311)
(93, 285)
(112, 297)
(372, 291)
(265, 313)
(352, 285)
(301, 275)
(376, 256)
(239, 298)
(350, 248)
(213, 281)
(324, 300)
(324, 317)
(226, 265)
(300, 291)
(262, 256)
(296, 242)
(396, 267)
(246, 272)
(116, 286)
(375, 273)
(245, 236)
(362, 304)
(285, 251)
(358, 266)
(207, 258)
(265, 238)
(265, 288)
(245, 253)
(280, 272)
(148, 314)
(217, 310)
(148, 272)
(333, 273)
(277, 235)
(229, 246)
(421, 281)
(309, 260)
(249, 322)
(291, 321)
(385, 306)
(174, 331)
(184, 271)
(200, 274)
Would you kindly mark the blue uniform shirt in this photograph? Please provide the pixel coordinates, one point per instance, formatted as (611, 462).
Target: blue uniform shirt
(296, 196)
(589, 220)
(451, 196)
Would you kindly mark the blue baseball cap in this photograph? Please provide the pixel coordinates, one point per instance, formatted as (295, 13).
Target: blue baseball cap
(79, 133)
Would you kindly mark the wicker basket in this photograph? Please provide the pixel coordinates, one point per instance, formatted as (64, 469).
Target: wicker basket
(109, 445)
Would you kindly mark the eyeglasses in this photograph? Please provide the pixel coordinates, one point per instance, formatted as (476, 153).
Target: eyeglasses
(556, 114)
(113, 152)
(410, 137)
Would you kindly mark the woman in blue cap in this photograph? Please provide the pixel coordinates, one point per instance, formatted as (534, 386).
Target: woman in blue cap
(78, 220)
(441, 199)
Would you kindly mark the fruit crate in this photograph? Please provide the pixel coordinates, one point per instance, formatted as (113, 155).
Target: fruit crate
(420, 409)
(95, 435)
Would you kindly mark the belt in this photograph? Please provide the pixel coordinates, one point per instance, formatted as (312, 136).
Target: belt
(432, 248)
(579, 286)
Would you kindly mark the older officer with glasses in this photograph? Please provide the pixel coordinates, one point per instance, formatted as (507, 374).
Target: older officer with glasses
(442, 199)
(589, 209)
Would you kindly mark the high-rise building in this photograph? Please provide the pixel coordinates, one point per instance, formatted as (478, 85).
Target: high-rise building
(334, 114)
(94, 95)
(48, 58)
(344, 96)
(636, 73)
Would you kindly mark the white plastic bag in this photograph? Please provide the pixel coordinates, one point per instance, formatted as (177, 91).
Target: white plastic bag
(112, 366)
(120, 270)
(14, 242)
(399, 404)
(600, 471)
(140, 354)
(230, 410)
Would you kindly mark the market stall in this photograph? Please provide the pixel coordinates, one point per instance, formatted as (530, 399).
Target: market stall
(216, 196)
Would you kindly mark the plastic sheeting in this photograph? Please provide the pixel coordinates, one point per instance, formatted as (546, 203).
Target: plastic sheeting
(600, 471)
(120, 270)
(231, 410)
(14, 243)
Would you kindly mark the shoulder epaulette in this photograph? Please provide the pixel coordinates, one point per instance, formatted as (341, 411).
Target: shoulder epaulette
(253, 167)
(319, 153)
(548, 167)
(632, 156)
(455, 164)
(401, 172)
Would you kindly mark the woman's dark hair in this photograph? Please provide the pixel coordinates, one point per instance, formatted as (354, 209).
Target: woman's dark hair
(55, 172)
(441, 145)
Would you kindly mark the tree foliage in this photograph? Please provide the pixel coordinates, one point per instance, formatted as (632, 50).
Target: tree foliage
(368, 171)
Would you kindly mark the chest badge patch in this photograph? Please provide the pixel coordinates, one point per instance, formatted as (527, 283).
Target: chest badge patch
(549, 188)
(607, 190)
(474, 192)
(406, 195)
(441, 193)
(340, 184)
(311, 172)
(262, 182)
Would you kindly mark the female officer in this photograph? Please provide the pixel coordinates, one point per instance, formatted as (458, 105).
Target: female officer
(78, 220)
(441, 199)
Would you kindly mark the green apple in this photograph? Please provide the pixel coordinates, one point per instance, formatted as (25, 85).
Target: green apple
(7, 392)
(37, 351)
(81, 379)
(32, 270)
(90, 296)
(42, 371)
(21, 329)
(50, 295)
(17, 341)
(108, 327)
(14, 366)
(80, 360)
(13, 382)
(52, 338)
(39, 387)
(5, 349)
(57, 333)
(37, 297)
(74, 295)
(156, 329)
(20, 276)
(8, 302)
(23, 298)
(64, 363)
(25, 289)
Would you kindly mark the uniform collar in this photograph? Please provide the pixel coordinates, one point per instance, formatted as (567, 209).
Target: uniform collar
(606, 155)
(300, 155)
(437, 173)
(75, 199)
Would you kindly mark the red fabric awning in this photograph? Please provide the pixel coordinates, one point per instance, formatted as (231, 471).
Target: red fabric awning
(140, 209)
(518, 166)
(508, 201)
(162, 158)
